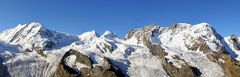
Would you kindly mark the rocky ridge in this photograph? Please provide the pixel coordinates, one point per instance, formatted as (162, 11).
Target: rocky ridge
(180, 50)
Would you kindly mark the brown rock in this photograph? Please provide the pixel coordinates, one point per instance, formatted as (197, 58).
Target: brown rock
(184, 71)
(156, 50)
(107, 70)
(200, 44)
(230, 66)
(106, 48)
(65, 71)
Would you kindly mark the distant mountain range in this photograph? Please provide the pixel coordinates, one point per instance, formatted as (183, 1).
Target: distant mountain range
(180, 50)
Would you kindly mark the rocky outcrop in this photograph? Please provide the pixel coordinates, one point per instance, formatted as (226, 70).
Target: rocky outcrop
(158, 51)
(89, 70)
(194, 43)
(65, 71)
(221, 57)
(172, 71)
(144, 35)
(141, 33)
(39, 51)
(105, 48)
(198, 43)
(154, 49)
(230, 66)
(236, 42)
(184, 71)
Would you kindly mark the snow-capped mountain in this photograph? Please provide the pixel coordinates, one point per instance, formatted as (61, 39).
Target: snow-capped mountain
(233, 46)
(180, 50)
(35, 37)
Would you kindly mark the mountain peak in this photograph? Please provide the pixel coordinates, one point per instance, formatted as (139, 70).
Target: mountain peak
(152, 49)
(22, 31)
(33, 25)
(87, 37)
(108, 34)
(92, 33)
(34, 36)
(151, 27)
(36, 24)
(203, 27)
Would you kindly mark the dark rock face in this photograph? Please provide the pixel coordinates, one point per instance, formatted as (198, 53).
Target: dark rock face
(81, 58)
(236, 43)
(49, 44)
(198, 43)
(143, 35)
(27, 50)
(229, 65)
(107, 70)
(3, 69)
(157, 50)
(176, 28)
(46, 33)
(184, 71)
(40, 52)
(154, 49)
(105, 49)
(65, 71)
(196, 71)
(109, 73)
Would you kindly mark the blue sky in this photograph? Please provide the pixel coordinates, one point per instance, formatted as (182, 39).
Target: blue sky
(78, 16)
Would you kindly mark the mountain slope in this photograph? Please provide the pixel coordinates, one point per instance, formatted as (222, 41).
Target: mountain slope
(35, 37)
(233, 46)
(181, 50)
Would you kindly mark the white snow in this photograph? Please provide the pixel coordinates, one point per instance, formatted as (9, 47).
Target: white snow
(145, 65)
(132, 41)
(176, 63)
(71, 62)
(108, 35)
(175, 42)
(229, 46)
(131, 56)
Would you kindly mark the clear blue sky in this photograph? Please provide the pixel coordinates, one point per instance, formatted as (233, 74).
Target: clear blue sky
(78, 16)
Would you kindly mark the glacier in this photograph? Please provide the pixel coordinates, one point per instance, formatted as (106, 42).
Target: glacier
(32, 50)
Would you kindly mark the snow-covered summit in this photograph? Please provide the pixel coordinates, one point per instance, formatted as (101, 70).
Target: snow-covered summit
(182, 33)
(87, 37)
(185, 41)
(108, 34)
(151, 51)
(21, 31)
(35, 36)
